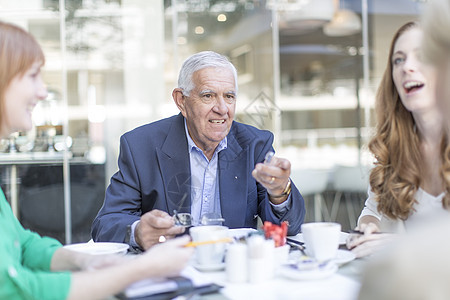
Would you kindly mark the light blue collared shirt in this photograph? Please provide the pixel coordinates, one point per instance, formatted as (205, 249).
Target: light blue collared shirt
(205, 196)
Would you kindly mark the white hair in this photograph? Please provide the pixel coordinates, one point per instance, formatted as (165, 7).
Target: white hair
(199, 61)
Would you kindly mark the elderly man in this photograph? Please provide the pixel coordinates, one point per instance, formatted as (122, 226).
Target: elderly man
(199, 161)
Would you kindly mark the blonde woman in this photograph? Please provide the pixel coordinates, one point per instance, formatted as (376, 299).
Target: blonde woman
(436, 45)
(34, 267)
(406, 184)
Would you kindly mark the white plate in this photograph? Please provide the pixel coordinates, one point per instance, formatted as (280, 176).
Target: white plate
(237, 233)
(317, 273)
(342, 238)
(343, 257)
(100, 248)
(209, 268)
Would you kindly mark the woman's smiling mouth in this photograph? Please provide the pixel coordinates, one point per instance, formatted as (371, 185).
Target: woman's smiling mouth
(412, 86)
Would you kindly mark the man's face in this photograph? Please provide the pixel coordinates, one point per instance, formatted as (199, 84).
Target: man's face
(210, 107)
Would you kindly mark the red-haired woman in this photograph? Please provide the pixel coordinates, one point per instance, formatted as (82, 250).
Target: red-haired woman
(407, 182)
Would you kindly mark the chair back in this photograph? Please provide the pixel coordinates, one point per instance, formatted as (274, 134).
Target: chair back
(351, 178)
(310, 181)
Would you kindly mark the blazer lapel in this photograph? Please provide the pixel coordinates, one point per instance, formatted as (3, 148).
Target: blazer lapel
(174, 166)
(233, 172)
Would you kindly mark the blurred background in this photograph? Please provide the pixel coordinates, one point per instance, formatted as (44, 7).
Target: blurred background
(308, 71)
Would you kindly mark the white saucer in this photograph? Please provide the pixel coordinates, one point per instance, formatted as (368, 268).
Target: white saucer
(209, 268)
(343, 257)
(238, 233)
(100, 248)
(292, 272)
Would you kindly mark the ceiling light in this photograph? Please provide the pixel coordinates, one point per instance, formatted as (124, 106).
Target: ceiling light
(199, 30)
(344, 22)
(312, 15)
(181, 40)
(222, 18)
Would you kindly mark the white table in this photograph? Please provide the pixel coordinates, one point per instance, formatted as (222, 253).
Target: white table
(344, 284)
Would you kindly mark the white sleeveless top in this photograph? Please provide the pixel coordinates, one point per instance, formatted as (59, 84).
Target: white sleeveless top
(427, 206)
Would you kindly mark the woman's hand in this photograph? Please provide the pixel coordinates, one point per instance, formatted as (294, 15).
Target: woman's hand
(163, 260)
(168, 258)
(96, 262)
(369, 242)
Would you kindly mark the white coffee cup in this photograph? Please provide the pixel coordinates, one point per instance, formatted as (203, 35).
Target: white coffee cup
(209, 254)
(321, 239)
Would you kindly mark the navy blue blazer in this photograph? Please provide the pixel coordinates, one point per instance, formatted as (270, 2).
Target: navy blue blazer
(154, 173)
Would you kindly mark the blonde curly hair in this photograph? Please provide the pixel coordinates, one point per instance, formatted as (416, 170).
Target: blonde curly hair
(436, 48)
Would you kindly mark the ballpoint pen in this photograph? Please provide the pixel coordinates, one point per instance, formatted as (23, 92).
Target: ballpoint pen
(296, 244)
(195, 244)
(268, 157)
(294, 241)
(362, 232)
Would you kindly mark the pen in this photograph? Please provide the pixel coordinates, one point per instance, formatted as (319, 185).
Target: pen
(268, 157)
(362, 232)
(195, 244)
(296, 244)
(294, 241)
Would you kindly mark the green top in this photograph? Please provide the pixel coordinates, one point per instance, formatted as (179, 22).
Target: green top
(25, 262)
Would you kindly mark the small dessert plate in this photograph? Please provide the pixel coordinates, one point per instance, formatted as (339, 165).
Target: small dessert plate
(343, 257)
(100, 248)
(309, 272)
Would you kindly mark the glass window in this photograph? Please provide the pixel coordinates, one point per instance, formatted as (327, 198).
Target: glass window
(112, 64)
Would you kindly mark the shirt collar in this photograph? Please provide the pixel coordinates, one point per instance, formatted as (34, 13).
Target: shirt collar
(222, 145)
